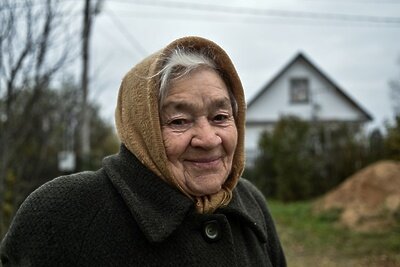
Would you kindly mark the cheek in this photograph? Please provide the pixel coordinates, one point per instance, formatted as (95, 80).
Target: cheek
(175, 144)
(230, 140)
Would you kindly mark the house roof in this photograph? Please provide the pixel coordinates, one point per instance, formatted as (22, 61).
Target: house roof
(301, 57)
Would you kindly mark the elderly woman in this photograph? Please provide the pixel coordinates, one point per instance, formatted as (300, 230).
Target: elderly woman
(173, 195)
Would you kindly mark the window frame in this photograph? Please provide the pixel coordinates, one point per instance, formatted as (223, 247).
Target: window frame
(295, 90)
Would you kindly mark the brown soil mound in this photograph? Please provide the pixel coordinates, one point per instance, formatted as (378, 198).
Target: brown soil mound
(369, 200)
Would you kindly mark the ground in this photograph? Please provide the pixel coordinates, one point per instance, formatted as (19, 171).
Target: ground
(311, 240)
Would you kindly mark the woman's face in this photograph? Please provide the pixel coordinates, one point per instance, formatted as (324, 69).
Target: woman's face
(199, 131)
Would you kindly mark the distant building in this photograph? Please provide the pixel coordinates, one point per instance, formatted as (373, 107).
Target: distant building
(300, 89)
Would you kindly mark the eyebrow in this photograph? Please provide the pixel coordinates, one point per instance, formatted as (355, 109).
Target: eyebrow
(181, 105)
(223, 103)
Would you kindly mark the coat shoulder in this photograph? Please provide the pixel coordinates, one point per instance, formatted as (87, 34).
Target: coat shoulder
(65, 194)
(250, 188)
(52, 220)
(273, 243)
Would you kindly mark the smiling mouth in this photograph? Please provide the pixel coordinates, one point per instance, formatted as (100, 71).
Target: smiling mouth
(206, 163)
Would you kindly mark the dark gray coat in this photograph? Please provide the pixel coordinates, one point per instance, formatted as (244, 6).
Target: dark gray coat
(124, 215)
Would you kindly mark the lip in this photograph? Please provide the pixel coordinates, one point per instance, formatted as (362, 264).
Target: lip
(205, 163)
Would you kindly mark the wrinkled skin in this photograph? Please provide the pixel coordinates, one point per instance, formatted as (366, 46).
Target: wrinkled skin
(199, 131)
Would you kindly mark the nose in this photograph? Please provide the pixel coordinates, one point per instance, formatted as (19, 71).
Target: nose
(205, 135)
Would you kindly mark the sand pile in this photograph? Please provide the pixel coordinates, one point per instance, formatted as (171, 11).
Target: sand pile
(369, 200)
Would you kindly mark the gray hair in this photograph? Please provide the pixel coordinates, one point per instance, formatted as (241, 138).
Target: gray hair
(181, 62)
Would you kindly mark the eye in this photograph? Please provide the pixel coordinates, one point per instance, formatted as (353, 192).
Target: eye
(220, 117)
(178, 122)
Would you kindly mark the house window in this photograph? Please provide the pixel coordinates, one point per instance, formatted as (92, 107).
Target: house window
(299, 90)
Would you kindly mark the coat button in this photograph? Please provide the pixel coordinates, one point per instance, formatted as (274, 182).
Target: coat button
(212, 230)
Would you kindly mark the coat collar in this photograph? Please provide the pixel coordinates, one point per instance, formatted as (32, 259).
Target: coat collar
(159, 208)
(245, 206)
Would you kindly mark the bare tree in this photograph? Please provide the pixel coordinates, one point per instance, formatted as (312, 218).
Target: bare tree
(395, 93)
(34, 46)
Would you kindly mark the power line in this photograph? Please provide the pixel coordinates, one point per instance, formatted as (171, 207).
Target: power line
(380, 20)
(374, 2)
(126, 33)
(271, 13)
(135, 14)
(25, 4)
(377, 2)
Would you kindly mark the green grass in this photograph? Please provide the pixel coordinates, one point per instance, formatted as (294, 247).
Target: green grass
(311, 240)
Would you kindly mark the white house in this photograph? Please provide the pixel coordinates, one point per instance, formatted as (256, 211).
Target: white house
(300, 89)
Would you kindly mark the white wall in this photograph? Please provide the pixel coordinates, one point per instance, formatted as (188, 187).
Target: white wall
(275, 102)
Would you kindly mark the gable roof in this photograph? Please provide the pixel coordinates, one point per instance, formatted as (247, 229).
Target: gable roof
(301, 57)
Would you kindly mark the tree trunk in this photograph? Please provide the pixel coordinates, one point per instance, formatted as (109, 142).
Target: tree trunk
(85, 127)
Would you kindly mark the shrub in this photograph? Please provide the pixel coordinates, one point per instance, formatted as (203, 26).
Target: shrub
(300, 160)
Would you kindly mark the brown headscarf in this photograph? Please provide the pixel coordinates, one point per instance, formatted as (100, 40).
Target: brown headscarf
(138, 120)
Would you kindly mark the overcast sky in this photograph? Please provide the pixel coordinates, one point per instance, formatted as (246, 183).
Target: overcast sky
(355, 42)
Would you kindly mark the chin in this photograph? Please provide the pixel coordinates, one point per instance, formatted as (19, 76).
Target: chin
(204, 184)
(205, 189)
